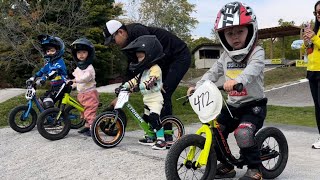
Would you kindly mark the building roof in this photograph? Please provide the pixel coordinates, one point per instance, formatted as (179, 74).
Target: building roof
(273, 32)
(280, 31)
(205, 44)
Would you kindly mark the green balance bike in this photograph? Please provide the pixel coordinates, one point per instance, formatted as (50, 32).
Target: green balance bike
(23, 118)
(108, 128)
(55, 123)
(194, 157)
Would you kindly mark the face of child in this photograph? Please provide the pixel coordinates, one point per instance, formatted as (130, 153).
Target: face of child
(51, 51)
(140, 56)
(236, 36)
(82, 55)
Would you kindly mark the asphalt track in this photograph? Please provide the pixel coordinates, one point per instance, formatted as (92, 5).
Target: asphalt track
(30, 156)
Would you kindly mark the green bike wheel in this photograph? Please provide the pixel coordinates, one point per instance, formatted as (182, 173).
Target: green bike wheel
(51, 128)
(178, 167)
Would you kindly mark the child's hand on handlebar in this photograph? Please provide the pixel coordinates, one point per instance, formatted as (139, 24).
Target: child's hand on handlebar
(190, 91)
(228, 85)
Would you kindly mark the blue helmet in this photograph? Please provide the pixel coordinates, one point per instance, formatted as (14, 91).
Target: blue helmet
(47, 41)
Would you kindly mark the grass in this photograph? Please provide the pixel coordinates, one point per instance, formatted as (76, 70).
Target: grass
(283, 75)
(303, 116)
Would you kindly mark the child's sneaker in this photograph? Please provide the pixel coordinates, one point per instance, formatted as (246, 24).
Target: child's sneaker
(252, 174)
(225, 171)
(160, 145)
(84, 130)
(316, 145)
(87, 133)
(148, 141)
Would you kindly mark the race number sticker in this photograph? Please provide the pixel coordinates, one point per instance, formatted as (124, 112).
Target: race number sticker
(206, 101)
(123, 97)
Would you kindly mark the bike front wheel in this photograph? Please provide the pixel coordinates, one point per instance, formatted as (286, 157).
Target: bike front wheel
(107, 132)
(21, 120)
(274, 151)
(177, 130)
(177, 165)
(52, 127)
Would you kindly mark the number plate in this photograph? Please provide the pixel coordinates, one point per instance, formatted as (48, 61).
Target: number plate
(206, 101)
(123, 97)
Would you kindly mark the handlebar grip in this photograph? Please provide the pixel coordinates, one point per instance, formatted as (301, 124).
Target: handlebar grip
(70, 83)
(238, 87)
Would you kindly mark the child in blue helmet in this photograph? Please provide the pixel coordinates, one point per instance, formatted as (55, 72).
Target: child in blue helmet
(54, 69)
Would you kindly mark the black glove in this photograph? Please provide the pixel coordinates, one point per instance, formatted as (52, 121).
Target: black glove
(117, 90)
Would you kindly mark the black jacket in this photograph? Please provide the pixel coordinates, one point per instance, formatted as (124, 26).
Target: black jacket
(172, 45)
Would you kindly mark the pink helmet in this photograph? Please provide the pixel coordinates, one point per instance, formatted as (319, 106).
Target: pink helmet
(236, 14)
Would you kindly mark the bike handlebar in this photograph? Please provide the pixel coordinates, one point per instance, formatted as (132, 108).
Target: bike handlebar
(238, 87)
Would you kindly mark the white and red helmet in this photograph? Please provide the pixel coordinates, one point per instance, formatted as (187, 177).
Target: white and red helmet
(237, 14)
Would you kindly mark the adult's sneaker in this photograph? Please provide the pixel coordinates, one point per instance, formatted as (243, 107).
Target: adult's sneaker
(148, 141)
(160, 145)
(316, 145)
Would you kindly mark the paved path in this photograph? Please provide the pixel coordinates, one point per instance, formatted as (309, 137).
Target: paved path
(30, 156)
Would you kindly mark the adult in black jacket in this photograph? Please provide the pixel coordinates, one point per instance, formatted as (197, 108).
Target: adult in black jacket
(174, 65)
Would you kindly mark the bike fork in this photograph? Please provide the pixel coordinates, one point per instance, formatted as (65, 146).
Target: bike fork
(204, 154)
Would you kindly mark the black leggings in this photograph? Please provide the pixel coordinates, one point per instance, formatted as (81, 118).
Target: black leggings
(172, 76)
(315, 91)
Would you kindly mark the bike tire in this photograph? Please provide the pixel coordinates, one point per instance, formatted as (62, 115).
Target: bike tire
(180, 150)
(176, 125)
(103, 136)
(44, 124)
(267, 135)
(76, 122)
(28, 125)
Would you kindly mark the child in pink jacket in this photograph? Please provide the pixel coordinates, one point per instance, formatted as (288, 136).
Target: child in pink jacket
(83, 53)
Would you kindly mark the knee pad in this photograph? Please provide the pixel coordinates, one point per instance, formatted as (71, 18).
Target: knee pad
(244, 135)
(154, 120)
(48, 103)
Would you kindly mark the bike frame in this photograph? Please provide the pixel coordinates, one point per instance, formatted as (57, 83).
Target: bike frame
(30, 105)
(211, 130)
(68, 100)
(129, 109)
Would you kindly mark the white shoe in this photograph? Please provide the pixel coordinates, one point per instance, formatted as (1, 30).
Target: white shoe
(316, 145)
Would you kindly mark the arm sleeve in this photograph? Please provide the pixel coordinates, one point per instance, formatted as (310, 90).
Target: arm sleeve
(131, 83)
(42, 71)
(254, 68)
(214, 73)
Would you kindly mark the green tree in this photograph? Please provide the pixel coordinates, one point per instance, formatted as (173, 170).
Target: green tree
(22, 21)
(172, 15)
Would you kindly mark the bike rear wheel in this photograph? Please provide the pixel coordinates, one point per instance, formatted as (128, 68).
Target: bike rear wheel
(20, 121)
(107, 132)
(178, 167)
(75, 117)
(177, 128)
(274, 151)
(52, 128)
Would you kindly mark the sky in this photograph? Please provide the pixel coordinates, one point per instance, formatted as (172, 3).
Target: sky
(268, 13)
